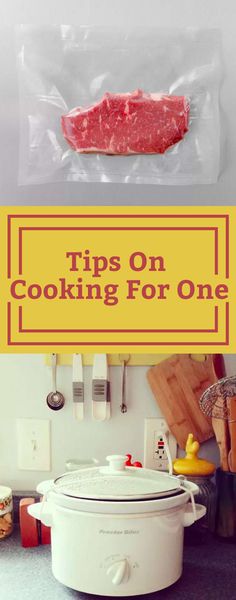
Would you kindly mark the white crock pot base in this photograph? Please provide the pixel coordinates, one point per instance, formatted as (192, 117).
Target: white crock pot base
(83, 552)
(117, 547)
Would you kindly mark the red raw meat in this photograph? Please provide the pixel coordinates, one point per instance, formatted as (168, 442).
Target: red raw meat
(132, 123)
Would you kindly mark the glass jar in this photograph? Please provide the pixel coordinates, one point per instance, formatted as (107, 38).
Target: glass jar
(207, 497)
(6, 512)
(226, 505)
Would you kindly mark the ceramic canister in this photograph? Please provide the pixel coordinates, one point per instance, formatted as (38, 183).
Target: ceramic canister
(6, 512)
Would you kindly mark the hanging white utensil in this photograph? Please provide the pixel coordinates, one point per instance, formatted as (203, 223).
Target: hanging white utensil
(78, 386)
(100, 409)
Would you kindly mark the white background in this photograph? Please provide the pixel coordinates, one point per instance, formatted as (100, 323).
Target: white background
(162, 13)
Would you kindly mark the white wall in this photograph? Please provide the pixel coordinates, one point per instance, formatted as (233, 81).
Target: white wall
(25, 382)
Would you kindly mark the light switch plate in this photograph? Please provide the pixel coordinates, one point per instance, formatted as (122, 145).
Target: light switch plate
(33, 444)
(154, 456)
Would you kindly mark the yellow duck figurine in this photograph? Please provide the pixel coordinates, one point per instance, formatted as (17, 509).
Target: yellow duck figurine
(191, 464)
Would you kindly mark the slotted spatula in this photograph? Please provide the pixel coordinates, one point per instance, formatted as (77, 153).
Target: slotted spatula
(100, 388)
(78, 386)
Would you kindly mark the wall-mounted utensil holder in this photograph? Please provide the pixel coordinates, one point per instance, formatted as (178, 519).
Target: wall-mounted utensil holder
(113, 360)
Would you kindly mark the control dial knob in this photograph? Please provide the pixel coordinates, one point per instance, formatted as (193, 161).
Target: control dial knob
(119, 571)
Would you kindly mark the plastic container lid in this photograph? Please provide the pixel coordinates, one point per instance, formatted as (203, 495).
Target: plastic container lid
(117, 482)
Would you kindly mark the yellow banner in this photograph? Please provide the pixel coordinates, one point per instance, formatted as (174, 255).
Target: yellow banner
(112, 279)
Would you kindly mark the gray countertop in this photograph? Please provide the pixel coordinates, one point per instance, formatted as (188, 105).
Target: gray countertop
(209, 573)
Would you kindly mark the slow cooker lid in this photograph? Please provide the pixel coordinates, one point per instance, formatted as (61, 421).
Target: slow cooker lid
(117, 482)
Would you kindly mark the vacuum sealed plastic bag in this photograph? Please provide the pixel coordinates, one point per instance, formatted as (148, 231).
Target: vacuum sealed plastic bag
(103, 104)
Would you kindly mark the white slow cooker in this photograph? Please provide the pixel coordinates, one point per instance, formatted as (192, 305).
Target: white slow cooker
(117, 530)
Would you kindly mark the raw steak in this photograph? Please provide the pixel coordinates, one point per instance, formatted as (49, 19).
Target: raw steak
(133, 123)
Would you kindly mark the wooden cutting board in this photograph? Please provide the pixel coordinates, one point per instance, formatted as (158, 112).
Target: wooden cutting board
(177, 384)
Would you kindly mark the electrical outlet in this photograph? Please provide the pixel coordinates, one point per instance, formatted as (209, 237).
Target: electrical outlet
(155, 456)
(33, 444)
(160, 457)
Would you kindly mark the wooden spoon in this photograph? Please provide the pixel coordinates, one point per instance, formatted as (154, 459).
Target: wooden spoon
(231, 403)
(221, 431)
